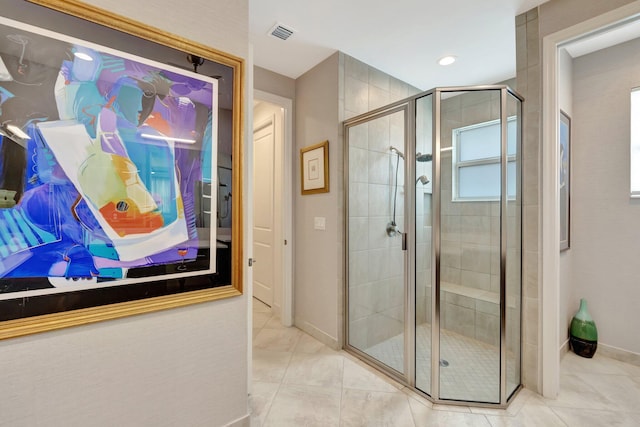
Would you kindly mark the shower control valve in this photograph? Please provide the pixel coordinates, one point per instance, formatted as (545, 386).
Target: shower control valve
(392, 229)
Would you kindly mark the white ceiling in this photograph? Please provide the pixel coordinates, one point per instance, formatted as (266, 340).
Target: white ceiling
(607, 37)
(404, 38)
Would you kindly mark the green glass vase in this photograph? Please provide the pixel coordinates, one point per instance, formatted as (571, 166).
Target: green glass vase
(583, 334)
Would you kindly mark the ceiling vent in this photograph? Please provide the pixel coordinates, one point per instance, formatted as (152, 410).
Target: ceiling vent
(281, 32)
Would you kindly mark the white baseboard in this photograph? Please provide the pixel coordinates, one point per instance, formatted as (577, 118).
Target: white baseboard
(318, 334)
(241, 422)
(564, 348)
(618, 354)
(276, 309)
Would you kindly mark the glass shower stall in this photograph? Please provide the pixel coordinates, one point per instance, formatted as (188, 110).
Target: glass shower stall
(433, 241)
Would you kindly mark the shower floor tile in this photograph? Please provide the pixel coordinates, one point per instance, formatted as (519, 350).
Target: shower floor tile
(473, 367)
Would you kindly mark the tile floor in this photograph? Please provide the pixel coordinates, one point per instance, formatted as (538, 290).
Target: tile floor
(473, 367)
(298, 381)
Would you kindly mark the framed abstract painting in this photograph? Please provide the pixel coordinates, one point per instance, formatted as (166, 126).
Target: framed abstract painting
(108, 169)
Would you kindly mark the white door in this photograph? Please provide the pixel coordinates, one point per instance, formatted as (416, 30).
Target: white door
(277, 110)
(264, 150)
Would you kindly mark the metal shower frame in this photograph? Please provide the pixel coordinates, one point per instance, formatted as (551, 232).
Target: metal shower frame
(408, 106)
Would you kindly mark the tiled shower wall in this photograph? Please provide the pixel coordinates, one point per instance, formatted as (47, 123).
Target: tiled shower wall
(529, 70)
(470, 230)
(470, 236)
(376, 261)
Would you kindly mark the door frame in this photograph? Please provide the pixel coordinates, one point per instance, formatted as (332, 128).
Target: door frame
(550, 280)
(286, 104)
(270, 122)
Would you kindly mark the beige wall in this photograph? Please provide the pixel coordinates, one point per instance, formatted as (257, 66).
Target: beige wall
(605, 225)
(185, 366)
(318, 254)
(556, 15)
(531, 27)
(276, 84)
(222, 24)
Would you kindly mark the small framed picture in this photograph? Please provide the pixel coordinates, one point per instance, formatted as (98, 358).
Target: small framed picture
(314, 165)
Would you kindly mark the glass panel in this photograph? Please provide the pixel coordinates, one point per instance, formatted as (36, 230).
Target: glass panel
(468, 339)
(469, 268)
(512, 170)
(514, 257)
(424, 145)
(479, 142)
(512, 137)
(479, 181)
(476, 159)
(482, 141)
(376, 220)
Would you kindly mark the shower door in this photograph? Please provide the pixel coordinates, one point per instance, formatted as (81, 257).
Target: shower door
(376, 238)
(468, 245)
(423, 242)
(434, 242)
(469, 217)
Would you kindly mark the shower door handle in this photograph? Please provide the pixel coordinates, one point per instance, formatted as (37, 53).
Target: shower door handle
(404, 241)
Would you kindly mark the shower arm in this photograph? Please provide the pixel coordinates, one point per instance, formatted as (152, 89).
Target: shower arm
(392, 227)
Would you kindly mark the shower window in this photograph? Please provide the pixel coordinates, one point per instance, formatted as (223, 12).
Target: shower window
(476, 161)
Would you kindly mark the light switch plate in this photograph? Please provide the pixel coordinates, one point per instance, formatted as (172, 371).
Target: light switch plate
(319, 223)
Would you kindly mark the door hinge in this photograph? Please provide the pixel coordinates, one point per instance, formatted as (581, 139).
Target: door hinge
(251, 262)
(404, 241)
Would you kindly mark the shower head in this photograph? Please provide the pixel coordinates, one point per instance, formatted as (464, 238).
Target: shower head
(422, 179)
(398, 152)
(423, 157)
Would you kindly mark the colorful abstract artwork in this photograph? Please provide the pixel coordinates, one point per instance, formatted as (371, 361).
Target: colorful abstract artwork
(103, 158)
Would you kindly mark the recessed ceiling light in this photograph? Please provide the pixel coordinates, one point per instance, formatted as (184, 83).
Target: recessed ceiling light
(447, 60)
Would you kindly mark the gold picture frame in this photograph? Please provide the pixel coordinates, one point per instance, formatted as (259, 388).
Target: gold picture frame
(314, 168)
(28, 315)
